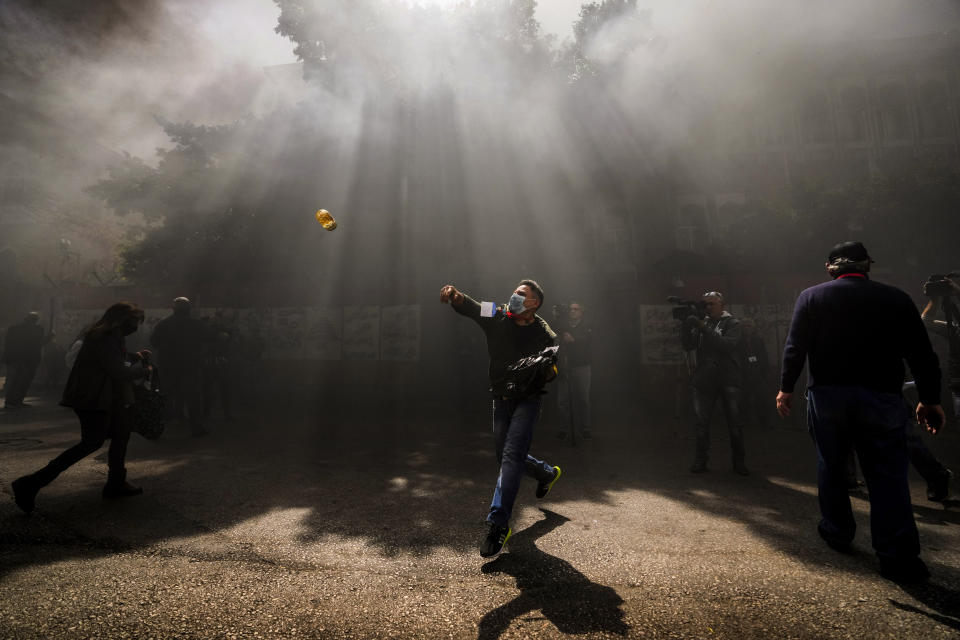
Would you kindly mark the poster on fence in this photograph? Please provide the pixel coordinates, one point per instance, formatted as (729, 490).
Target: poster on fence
(361, 333)
(324, 337)
(772, 324)
(284, 334)
(400, 333)
(659, 337)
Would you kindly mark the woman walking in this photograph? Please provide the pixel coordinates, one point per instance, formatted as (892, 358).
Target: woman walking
(100, 391)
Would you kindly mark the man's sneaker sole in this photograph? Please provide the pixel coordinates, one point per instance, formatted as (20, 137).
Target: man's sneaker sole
(544, 489)
(500, 544)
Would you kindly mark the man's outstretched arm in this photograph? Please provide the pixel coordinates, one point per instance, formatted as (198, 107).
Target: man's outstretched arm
(462, 303)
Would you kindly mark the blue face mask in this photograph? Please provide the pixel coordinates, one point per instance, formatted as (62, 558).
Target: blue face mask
(515, 305)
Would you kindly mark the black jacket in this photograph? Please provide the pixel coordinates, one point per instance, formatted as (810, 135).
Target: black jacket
(23, 344)
(577, 353)
(507, 342)
(180, 341)
(718, 357)
(99, 378)
(951, 333)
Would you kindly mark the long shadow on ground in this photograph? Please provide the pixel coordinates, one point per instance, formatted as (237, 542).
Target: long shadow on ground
(396, 481)
(549, 584)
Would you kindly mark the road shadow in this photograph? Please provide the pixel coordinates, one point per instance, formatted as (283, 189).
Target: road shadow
(943, 600)
(549, 584)
(395, 480)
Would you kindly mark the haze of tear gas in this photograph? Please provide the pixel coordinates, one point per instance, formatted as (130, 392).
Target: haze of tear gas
(443, 134)
(81, 84)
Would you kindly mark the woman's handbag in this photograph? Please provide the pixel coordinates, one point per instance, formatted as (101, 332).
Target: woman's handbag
(147, 410)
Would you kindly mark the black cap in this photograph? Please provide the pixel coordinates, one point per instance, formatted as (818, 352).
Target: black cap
(854, 251)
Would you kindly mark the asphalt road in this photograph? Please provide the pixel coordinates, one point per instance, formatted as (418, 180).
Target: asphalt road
(349, 525)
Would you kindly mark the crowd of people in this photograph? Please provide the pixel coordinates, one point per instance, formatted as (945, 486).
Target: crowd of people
(852, 334)
(199, 358)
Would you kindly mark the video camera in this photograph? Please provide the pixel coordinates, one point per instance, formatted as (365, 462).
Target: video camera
(684, 311)
(938, 286)
(686, 308)
(561, 316)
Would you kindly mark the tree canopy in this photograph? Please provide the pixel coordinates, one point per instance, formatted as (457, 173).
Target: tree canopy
(443, 123)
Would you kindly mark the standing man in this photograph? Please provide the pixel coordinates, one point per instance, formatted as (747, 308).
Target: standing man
(218, 365)
(22, 349)
(855, 401)
(512, 334)
(944, 293)
(180, 341)
(717, 376)
(575, 358)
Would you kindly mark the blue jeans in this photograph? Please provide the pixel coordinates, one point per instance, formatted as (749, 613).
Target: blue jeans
(873, 424)
(513, 422)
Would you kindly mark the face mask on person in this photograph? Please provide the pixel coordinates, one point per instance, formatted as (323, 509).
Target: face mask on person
(515, 305)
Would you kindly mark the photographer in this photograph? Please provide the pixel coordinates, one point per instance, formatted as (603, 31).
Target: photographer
(943, 292)
(717, 375)
(514, 334)
(573, 395)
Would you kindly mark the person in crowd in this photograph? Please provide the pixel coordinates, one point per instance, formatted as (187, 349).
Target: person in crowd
(717, 376)
(248, 360)
(22, 354)
(856, 333)
(943, 298)
(180, 341)
(573, 394)
(54, 365)
(218, 367)
(756, 374)
(924, 462)
(100, 391)
(512, 333)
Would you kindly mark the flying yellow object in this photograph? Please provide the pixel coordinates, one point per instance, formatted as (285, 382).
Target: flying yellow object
(324, 218)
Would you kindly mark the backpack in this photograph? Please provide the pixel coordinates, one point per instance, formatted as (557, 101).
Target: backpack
(528, 376)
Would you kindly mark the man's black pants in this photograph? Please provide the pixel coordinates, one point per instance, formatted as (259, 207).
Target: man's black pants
(704, 399)
(19, 379)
